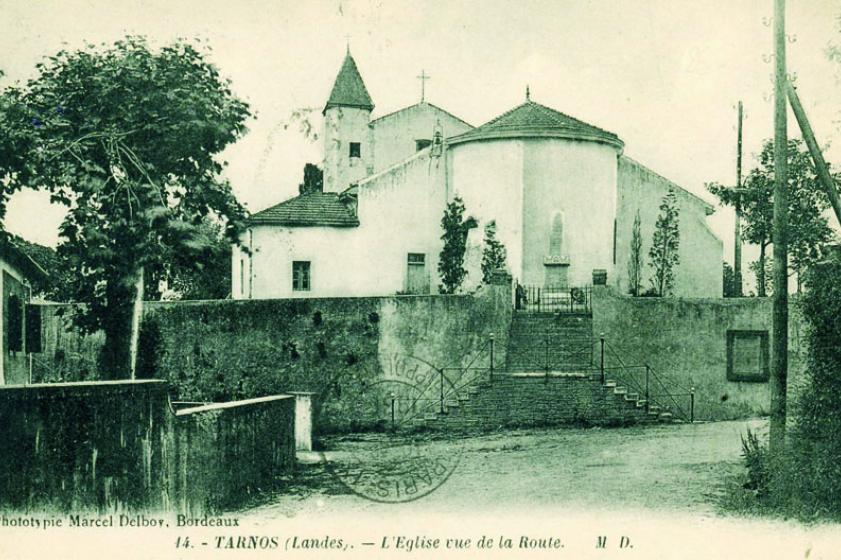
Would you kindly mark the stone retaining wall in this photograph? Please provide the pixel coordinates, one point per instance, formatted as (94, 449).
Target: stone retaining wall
(118, 446)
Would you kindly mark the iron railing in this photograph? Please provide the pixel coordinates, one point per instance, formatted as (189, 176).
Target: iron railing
(445, 387)
(645, 380)
(545, 354)
(550, 299)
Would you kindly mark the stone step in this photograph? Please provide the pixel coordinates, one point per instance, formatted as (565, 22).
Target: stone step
(543, 353)
(535, 329)
(538, 327)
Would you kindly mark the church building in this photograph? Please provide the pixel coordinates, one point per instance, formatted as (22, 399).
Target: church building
(562, 194)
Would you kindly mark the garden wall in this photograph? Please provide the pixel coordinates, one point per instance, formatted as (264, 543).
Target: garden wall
(685, 341)
(225, 453)
(117, 446)
(214, 351)
(84, 446)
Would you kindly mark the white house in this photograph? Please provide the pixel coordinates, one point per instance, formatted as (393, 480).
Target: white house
(19, 338)
(562, 193)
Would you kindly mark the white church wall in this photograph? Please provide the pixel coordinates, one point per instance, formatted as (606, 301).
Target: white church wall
(400, 212)
(489, 178)
(395, 134)
(329, 250)
(578, 180)
(343, 125)
(699, 273)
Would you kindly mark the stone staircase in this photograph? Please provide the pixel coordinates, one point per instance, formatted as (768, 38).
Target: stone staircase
(550, 342)
(550, 378)
(531, 399)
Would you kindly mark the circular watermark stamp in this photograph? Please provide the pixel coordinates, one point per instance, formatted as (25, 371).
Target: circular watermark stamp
(409, 451)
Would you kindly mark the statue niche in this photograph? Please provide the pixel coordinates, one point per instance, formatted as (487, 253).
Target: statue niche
(556, 263)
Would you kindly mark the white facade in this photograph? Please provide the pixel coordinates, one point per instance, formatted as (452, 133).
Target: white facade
(344, 126)
(562, 194)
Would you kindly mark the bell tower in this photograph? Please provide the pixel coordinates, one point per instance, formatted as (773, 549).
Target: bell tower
(348, 139)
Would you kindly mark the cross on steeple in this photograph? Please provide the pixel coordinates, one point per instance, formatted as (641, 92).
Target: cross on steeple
(423, 78)
(347, 43)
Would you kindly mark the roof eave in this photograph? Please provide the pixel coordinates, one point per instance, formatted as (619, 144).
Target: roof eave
(292, 223)
(473, 136)
(332, 104)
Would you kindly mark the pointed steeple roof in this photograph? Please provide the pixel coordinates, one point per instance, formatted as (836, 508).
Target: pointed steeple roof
(349, 90)
(535, 120)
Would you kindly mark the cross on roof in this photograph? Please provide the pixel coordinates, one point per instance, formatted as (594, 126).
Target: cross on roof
(423, 77)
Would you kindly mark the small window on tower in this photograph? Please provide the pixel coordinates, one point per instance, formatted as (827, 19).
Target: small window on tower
(421, 144)
(301, 276)
(356, 149)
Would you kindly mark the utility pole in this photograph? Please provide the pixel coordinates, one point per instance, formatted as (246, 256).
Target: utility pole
(817, 157)
(779, 357)
(737, 245)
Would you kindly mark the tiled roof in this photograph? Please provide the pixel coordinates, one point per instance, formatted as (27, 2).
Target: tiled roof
(349, 90)
(20, 259)
(535, 120)
(311, 209)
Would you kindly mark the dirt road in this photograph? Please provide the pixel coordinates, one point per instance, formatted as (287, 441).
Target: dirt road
(666, 468)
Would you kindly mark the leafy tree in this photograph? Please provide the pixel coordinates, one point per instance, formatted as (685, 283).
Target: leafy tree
(808, 229)
(729, 280)
(451, 260)
(763, 274)
(663, 255)
(635, 263)
(313, 179)
(127, 138)
(494, 254)
(813, 483)
(209, 277)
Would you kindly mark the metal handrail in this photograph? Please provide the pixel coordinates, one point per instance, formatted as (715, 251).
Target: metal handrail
(651, 375)
(551, 299)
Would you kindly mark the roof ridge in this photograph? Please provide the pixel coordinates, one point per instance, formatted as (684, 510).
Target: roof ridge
(434, 106)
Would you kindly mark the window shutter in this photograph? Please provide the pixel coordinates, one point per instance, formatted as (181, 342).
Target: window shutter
(15, 325)
(33, 329)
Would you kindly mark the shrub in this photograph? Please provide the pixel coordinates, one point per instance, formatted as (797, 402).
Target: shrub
(755, 456)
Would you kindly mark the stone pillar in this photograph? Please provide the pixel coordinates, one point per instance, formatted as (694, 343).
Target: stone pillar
(303, 420)
(501, 282)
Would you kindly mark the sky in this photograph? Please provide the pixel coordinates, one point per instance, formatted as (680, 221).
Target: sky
(665, 75)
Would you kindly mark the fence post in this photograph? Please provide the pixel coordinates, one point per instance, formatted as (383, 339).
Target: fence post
(441, 371)
(392, 410)
(601, 357)
(493, 344)
(692, 405)
(647, 392)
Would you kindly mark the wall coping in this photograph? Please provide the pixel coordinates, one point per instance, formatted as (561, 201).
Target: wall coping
(610, 292)
(231, 404)
(120, 383)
